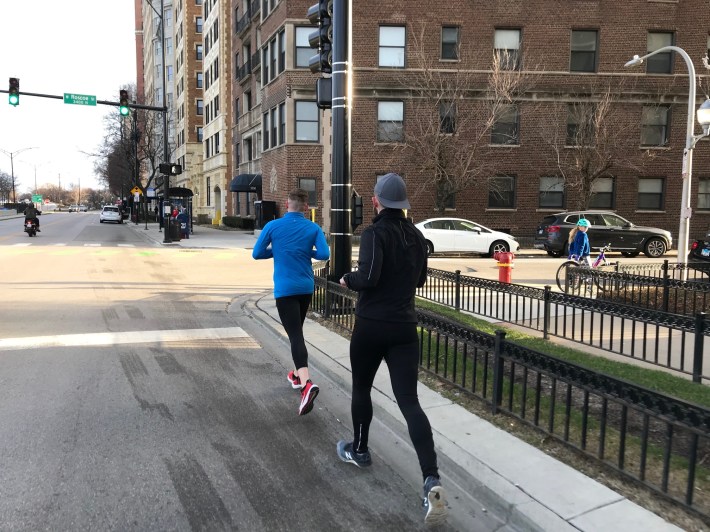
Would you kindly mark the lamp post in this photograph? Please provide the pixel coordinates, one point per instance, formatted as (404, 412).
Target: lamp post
(690, 140)
(12, 154)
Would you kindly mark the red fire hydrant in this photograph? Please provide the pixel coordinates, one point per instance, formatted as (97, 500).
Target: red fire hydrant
(505, 265)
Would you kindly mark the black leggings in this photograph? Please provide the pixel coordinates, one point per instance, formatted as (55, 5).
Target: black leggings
(397, 343)
(292, 311)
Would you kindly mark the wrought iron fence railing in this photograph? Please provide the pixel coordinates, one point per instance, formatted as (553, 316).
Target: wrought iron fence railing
(655, 440)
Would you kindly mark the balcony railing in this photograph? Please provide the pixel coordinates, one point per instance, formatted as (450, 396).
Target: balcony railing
(244, 21)
(255, 61)
(244, 70)
(255, 8)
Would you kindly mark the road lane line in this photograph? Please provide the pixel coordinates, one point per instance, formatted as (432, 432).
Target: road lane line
(125, 337)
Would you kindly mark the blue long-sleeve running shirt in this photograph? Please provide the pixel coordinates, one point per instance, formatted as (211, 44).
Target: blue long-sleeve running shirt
(290, 241)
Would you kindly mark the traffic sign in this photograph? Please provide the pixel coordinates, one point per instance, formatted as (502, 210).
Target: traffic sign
(136, 190)
(36, 198)
(79, 99)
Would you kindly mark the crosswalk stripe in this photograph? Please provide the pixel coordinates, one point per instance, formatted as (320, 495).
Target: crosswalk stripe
(125, 337)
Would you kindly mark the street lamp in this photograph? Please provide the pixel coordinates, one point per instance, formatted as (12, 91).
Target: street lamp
(11, 154)
(690, 140)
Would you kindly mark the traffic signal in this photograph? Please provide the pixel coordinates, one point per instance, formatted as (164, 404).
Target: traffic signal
(14, 92)
(356, 211)
(123, 103)
(170, 169)
(321, 39)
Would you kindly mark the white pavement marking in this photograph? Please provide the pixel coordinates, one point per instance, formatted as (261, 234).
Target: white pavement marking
(92, 245)
(126, 245)
(22, 245)
(125, 337)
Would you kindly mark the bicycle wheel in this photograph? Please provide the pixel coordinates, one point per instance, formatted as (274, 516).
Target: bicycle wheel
(567, 281)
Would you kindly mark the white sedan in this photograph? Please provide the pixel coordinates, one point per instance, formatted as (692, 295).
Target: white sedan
(110, 213)
(464, 236)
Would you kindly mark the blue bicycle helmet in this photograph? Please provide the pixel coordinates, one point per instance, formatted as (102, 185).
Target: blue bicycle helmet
(583, 223)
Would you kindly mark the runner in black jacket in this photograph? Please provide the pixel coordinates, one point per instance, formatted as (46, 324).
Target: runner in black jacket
(391, 265)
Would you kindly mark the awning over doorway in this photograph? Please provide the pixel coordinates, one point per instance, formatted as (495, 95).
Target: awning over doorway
(246, 183)
(180, 192)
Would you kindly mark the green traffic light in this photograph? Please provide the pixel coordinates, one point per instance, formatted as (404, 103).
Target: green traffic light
(123, 110)
(14, 99)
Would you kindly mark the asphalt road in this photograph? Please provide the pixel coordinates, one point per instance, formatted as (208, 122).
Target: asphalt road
(136, 395)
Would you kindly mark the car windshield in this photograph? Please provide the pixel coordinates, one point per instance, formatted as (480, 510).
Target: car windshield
(112, 209)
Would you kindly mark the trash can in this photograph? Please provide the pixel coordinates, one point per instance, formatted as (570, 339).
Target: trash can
(174, 231)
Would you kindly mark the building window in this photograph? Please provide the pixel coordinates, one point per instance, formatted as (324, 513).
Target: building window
(583, 51)
(199, 134)
(505, 128)
(704, 194)
(390, 121)
(309, 185)
(506, 45)
(303, 49)
(200, 107)
(650, 193)
(200, 78)
(602, 193)
(282, 129)
(654, 125)
(274, 127)
(170, 72)
(501, 192)
(450, 42)
(392, 46)
(282, 50)
(552, 193)
(581, 115)
(198, 52)
(265, 138)
(198, 25)
(307, 122)
(661, 63)
(447, 117)
(209, 192)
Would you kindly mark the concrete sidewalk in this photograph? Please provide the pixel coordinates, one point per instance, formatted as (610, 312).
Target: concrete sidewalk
(519, 483)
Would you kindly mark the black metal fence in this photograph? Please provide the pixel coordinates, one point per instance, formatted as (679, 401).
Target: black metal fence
(673, 341)
(653, 439)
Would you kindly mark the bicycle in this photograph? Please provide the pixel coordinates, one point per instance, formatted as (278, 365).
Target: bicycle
(571, 277)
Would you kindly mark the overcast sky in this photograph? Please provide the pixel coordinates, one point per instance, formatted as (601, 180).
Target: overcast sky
(81, 47)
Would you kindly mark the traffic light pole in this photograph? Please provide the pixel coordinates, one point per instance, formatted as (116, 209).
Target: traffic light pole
(166, 154)
(341, 181)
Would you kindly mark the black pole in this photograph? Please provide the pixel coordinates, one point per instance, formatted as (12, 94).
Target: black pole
(341, 181)
(166, 154)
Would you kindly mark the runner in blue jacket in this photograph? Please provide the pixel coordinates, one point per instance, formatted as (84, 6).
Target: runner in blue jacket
(290, 241)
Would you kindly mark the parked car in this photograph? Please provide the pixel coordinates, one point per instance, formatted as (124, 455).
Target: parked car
(73, 208)
(110, 213)
(464, 236)
(83, 208)
(606, 228)
(699, 252)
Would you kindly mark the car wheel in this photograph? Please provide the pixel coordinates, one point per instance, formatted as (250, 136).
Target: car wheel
(630, 254)
(499, 247)
(555, 254)
(101, 221)
(655, 247)
(429, 248)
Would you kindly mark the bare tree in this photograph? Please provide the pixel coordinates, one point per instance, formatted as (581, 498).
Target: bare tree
(454, 116)
(5, 186)
(595, 145)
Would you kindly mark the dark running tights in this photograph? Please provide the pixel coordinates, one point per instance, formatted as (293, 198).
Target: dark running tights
(292, 311)
(397, 343)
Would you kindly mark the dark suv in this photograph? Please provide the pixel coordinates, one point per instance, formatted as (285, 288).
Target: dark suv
(606, 228)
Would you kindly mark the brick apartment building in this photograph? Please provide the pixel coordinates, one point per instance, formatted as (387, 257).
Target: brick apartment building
(493, 141)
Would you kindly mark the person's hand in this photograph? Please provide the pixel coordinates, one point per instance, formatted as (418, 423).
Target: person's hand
(342, 282)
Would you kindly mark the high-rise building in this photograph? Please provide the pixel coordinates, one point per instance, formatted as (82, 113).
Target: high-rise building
(214, 198)
(189, 84)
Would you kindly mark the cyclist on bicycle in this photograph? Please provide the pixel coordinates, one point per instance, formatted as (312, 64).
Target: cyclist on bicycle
(579, 241)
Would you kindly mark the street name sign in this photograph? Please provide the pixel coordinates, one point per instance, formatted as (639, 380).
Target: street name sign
(79, 99)
(36, 198)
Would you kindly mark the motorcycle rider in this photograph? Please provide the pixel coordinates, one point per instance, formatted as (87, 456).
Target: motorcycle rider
(31, 214)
